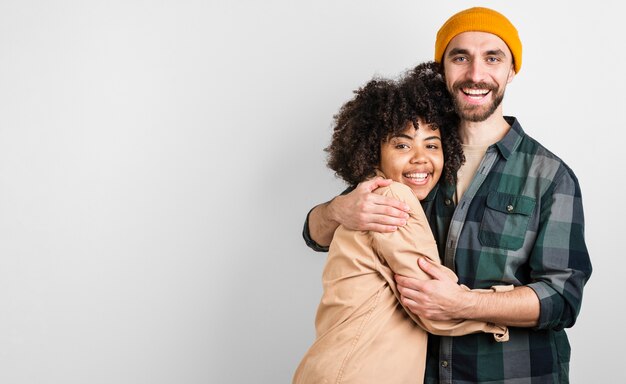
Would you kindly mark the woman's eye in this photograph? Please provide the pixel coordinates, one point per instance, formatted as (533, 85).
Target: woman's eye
(401, 146)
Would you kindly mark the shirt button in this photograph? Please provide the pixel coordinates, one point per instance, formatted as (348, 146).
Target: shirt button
(444, 363)
(509, 208)
(447, 202)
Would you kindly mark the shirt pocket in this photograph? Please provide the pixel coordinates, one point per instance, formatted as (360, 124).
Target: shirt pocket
(505, 220)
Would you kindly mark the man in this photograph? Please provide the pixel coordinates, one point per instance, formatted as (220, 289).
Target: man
(514, 216)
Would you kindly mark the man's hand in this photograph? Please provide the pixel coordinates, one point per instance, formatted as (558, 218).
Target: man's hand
(443, 299)
(360, 210)
(363, 210)
(438, 299)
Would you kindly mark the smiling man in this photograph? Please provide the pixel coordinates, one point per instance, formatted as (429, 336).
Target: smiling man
(514, 215)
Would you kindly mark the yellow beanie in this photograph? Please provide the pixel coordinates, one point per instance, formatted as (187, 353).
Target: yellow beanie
(480, 19)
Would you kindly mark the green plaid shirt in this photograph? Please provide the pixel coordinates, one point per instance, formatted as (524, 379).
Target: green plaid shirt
(520, 222)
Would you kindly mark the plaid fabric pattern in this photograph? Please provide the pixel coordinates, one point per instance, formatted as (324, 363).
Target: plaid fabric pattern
(520, 222)
(306, 235)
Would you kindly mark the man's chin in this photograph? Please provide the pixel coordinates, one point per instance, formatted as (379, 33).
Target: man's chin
(476, 117)
(476, 114)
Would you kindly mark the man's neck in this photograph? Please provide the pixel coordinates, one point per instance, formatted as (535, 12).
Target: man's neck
(486, 132)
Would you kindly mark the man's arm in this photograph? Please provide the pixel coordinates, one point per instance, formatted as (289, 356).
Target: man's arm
(443, 299)
(359, 210)
(559, 268)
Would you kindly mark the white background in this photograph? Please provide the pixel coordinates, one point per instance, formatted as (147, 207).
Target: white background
(157, 160)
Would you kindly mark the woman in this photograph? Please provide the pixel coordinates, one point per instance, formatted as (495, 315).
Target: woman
(404, 131)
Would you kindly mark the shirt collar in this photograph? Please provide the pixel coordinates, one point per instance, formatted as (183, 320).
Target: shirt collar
(512, 139)
(506, 147)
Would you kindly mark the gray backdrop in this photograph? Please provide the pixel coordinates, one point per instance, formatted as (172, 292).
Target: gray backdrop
(157, 160)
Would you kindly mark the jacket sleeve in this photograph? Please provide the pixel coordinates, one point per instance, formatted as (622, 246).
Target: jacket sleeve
(400, 250)
(559, 262)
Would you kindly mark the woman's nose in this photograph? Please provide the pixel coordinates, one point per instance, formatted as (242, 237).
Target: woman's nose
(418, 157)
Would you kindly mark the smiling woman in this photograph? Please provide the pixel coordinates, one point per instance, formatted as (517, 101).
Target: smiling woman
(414, 157)
(400, 130)
(383, 110)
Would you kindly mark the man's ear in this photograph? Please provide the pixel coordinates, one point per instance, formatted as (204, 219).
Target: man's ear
(511, 75)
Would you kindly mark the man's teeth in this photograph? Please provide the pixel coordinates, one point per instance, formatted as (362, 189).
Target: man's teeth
(418, 176)
(475, 92)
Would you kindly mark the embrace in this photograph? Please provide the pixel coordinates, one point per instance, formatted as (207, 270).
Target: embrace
(457, 253)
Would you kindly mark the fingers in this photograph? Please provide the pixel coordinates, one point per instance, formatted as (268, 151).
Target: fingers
(408, 285)
(380, 228)
(387, 217)
(428, 267)
(423, 311)
(414, 296)
(436, 271)
(365, 220)
(364, 210)
(391, 206)
(370, 212)
(412, 299)
(373, 184)
(397, 207)
(383, 210)
(409, 304)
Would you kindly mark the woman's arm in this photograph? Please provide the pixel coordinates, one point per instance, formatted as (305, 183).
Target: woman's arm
(402, 248)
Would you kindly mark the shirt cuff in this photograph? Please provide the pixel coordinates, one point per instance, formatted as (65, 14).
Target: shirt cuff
(306, 235)
(548, 304)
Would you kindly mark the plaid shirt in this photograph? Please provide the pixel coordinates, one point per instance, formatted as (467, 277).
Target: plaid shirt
(520, 222)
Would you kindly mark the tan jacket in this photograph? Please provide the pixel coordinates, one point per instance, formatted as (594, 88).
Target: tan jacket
(363, 334)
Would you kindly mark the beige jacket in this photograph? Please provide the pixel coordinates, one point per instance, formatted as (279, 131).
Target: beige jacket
(363, 334)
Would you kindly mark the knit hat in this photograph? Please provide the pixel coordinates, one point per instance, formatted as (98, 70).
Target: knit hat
(480, 19)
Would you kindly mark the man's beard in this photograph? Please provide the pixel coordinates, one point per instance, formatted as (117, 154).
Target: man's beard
(476, 113)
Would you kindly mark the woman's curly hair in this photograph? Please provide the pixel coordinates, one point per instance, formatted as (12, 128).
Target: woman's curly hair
(383, 108)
